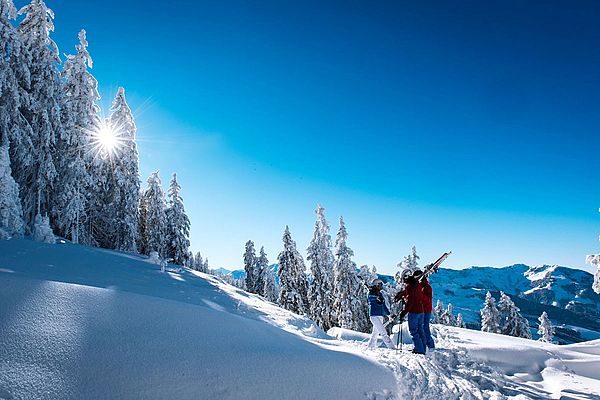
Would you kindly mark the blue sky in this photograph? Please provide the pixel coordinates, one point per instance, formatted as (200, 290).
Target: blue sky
(466, 126)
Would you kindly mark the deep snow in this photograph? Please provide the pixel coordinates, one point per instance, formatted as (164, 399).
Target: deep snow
(85, 323)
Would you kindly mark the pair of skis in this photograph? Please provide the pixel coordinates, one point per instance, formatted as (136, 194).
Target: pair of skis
(433, 267)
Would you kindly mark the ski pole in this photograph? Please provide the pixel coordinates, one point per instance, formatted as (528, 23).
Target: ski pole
(398, 336)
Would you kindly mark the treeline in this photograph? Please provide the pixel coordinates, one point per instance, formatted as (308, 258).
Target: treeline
(64, 170)
(335, 294)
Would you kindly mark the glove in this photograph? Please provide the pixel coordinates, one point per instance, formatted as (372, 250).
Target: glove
(402, 315)
(393, 316)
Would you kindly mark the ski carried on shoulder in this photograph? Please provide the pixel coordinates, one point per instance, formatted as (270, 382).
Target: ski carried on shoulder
(433, 267)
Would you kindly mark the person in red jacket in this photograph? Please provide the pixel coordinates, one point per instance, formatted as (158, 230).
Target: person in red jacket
(413, 296)
(427, 309)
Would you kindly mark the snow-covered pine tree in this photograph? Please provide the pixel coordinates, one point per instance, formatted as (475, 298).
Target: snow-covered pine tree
(142, 236)
(407, 265)
(514, 323)
(42, 232)
(12, 124)
(594, 259)
(206, 268)
(293, 295)
(250, 266)
(79, 119)
(438, 311)
(178, 226)
(199, 262)
(365, 274)
(270, 289)
(11, 215)
(40, 106)
(490, 317)
(126, 171)
(190, 262)
(260, 268)
(155, 218)
(414, 259)
(460, 323)
(545, 330)
(448, 317)
(9, 88)
(346, 287)
(320, 292)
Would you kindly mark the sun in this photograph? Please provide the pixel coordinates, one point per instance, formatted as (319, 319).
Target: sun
(105, 139)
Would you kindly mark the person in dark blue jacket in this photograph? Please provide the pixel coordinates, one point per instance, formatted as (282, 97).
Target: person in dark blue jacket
(378, 310)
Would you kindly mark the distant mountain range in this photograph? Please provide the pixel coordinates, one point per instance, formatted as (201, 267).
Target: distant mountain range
(564, 293)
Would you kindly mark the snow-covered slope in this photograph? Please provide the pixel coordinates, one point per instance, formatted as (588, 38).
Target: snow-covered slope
(85, 323)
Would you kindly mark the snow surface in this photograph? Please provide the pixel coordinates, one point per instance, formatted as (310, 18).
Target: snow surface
(84, 323)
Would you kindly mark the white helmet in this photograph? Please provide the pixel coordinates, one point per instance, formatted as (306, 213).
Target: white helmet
(377, 282)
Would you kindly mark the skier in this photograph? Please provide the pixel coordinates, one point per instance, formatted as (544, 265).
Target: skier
(378, 310)
(413, 297)
(427, 307)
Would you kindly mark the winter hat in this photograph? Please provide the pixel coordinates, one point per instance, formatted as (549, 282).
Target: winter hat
(405, 274)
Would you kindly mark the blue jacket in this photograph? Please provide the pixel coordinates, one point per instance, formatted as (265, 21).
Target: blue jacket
(377, 305)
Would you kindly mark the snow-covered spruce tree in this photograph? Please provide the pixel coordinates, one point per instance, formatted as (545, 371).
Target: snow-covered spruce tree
(594, 259)
(206, 268)
(408, 264)
(293, 295)
(199, 262)
(348, 291)
(79, 118)
(178, 226)
(365, 274)
(9, 88)
(460, 321)
(42, 232)
(142, 236)
(490, 317)
(448, 317)
(12, 124)
(545, 330)
(190, 262)
(155, 223)
(250, 265)
(320, 292)
(438, 311)
(11, 215)
(40, 106)
(270, 288)
(260, 268)
(126, 172)
(514, 323)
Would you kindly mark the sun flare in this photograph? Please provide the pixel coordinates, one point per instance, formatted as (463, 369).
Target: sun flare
(106, 139)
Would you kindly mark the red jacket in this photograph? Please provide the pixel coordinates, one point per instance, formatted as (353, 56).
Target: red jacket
(413, 295)
(427, 296)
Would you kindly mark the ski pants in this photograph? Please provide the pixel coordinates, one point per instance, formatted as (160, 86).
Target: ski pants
(378, 329)
(428, 339)
(417, 331)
